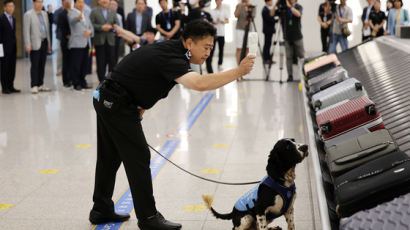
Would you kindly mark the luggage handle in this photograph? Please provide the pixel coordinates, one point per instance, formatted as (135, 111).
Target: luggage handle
(363, 153)
(328, 85)
(325, 128)
(373, 173)
(371, 109)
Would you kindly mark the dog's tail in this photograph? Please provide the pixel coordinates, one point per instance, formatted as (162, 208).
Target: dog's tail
(208, 199)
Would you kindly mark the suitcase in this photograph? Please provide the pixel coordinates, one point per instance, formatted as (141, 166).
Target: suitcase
(392, 215)
(354, 152)
(372, 183)
(348, 89)
(347, 120)
(327, 79)
(321, 65)
(314, 58)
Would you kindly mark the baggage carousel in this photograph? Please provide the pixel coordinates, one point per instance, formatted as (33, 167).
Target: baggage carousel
(383, 67)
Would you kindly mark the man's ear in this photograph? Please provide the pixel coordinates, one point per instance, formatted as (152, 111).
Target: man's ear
(188, 43)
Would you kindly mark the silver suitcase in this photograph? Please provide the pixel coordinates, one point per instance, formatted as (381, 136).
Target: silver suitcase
(327, 79)
(345, 90)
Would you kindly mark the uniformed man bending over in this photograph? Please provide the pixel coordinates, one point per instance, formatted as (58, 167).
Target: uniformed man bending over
(136, 84)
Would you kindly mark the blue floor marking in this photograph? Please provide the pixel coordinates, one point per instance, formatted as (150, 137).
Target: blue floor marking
(125, 204)
(193, 116)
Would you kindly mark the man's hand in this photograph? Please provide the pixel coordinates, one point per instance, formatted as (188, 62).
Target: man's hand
(106, 27)
(366, 25)
(87, 33)
(325, 25)
(246, 64)
(80, 17)
(288, 4)
(28, 49)
(49, 49)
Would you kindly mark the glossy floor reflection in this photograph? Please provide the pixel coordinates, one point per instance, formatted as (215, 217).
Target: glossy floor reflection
(48, 151)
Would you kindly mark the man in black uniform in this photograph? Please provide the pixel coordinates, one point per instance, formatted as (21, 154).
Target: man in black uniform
(137, 83)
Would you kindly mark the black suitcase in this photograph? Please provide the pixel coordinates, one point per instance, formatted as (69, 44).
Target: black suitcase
(372, 183)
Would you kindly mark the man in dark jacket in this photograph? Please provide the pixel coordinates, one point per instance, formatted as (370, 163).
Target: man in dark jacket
(65, 33)
(8, 40)
(268, 30)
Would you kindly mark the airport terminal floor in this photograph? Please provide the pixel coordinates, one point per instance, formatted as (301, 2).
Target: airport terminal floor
(48, 151)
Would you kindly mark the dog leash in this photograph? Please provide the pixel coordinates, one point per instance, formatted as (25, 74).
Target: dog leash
(200, 177)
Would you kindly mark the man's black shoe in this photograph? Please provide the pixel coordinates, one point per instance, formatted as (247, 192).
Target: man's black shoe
(68, 85)
(13, 90)
(290, 78)
(6, 92)
(97, 217)
(78, 87)
(158, 222)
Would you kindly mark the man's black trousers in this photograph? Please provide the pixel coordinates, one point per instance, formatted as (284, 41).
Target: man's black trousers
(120, 138)
(38, 64)
(79, 61)
(266, 46)
(8, 71)
(221, 44)
(105, 55)
(325, 37)
(66, 65)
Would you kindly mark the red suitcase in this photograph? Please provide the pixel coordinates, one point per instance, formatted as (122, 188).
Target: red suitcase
(355, 117)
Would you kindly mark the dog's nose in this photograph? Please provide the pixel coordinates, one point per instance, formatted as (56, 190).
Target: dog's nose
(304, 149)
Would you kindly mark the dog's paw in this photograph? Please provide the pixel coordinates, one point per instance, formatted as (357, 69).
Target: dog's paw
(275, 228)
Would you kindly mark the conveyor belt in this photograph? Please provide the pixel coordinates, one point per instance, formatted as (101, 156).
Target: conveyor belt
(383, 67)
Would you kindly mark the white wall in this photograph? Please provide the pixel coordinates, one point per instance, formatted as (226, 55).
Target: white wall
(310, 26)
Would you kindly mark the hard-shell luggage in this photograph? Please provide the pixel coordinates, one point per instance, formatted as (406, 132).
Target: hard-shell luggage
(321, 65)
(349, 89)
(392, 215)
(313, 58)
(354, 152)
(347, 120)
(372, 183)
(327, 79)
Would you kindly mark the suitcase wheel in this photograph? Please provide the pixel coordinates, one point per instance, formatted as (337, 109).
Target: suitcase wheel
(358, 86)
(325, 128)
(317, 104)
(371, 109)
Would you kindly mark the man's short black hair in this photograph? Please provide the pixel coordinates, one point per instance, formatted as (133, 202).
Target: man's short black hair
(159, 1)
(151, 29)
(7, 2)
(198, 29)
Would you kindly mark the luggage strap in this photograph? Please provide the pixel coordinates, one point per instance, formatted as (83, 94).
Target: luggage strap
(373, 173)
(363, 153)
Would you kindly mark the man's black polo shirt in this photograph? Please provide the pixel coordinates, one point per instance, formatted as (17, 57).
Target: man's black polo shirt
(148, 73)
(167, 21)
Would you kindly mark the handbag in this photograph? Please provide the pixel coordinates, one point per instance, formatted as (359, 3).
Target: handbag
(346, 31)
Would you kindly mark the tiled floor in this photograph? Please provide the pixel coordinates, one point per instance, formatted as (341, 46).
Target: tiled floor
(234, 134)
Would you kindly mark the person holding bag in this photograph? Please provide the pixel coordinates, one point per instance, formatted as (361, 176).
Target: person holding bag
(340, 31)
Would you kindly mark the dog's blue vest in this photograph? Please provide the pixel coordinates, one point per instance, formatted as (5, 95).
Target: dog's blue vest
(246, 202)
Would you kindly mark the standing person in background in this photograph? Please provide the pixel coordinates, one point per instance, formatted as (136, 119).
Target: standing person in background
(114, 6)
(138, 20)
(179, 7)
(64, 27)
(167, 22)
(37, 39)
(220, 19)
(344, 16)
(377, 20)
(50, 20)
(325, 20)
(103, 19)
(79, 44)
(58, 36)
(366, 32)
(268, 30)
(8, 40)
(292, 34)
(389, 5)
(397, 16)
(241, 13)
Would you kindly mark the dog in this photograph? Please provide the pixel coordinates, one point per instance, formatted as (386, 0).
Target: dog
(274, 196)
